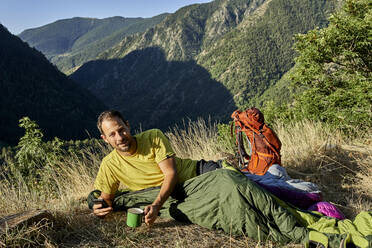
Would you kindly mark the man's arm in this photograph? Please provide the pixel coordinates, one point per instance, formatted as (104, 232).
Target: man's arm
(168, 167)
(102, 212)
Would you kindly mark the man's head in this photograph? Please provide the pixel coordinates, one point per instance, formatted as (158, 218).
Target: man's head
(116, 131)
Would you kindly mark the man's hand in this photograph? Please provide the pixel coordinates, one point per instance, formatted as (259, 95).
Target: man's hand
(101, 212)
(151, 213)
(168, 167)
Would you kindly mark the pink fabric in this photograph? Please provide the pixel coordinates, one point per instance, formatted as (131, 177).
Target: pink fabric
(299, 199)
(328, 209)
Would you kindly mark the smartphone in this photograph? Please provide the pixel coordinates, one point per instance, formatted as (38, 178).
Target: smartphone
(101, 201)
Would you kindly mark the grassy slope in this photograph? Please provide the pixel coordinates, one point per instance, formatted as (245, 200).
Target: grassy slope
(342, 167)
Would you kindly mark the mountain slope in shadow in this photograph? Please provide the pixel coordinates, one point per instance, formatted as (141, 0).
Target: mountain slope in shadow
(31, 86)
(153, 92)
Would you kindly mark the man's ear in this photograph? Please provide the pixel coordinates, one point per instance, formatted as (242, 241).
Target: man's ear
(104, 138)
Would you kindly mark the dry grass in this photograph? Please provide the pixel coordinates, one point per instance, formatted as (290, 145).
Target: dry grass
(310, 151)
(196, 140)
(302, 140)
(32, 236)
(340, 166)
(73, 178)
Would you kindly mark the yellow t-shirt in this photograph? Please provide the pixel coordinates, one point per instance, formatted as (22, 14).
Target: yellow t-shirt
(141, 170)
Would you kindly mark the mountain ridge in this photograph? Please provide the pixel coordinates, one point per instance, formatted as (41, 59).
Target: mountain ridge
(189, 23)
(69, 43)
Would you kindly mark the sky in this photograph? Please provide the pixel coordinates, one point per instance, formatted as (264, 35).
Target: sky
(18, 15)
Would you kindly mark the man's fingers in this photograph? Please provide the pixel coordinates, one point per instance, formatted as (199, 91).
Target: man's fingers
(102, 211)
(97, 206)
(150, 220)
(151, 213)
(147, 209)
(147, 217)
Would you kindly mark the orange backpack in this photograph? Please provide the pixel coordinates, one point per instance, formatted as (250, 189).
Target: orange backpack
(265, 144)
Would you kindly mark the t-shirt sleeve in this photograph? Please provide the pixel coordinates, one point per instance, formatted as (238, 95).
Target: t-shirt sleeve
(162, 147)
(106, 181)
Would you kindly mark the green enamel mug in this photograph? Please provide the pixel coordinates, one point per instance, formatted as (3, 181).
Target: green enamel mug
(134, 217)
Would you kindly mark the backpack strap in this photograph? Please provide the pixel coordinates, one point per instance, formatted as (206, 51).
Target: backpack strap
(242, 154)
(259, 132)
(241, 150)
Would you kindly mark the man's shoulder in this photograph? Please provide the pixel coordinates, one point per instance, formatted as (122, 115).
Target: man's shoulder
(149, 134)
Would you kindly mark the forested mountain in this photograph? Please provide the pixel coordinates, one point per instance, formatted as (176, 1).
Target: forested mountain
(31, 86)
(241, 48)
(71, 42)
(251, 58)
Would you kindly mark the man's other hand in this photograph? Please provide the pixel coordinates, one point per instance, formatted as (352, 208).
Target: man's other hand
(151, 213)
(101, 212)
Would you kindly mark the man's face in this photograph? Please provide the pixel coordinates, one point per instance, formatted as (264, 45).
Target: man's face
(117, 134)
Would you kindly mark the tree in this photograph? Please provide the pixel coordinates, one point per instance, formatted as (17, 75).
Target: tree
(334, 65)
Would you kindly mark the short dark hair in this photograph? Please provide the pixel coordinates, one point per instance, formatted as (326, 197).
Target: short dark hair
(108, 114)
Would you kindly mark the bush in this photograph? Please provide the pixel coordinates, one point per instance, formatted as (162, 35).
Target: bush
(34, 158)
(225, 138)
(335, 67)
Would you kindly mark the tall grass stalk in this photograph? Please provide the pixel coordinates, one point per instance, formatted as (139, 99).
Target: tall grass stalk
(72, 178)
(196, 140)
(303, 141)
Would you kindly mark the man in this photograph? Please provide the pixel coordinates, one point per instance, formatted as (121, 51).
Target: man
(141, 161)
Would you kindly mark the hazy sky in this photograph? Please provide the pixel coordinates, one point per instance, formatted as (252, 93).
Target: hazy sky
(18, 15)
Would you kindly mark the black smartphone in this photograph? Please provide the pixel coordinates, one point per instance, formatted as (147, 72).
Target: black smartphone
(101, 201)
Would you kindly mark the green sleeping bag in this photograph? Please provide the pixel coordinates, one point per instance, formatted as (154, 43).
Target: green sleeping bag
(228, 201)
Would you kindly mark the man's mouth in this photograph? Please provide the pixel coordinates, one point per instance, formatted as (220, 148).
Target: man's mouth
(123, 144)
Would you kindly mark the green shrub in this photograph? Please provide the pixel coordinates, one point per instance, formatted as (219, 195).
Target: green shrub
(277, 113)
(35, 158)
(225, 138)
(335, 68)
